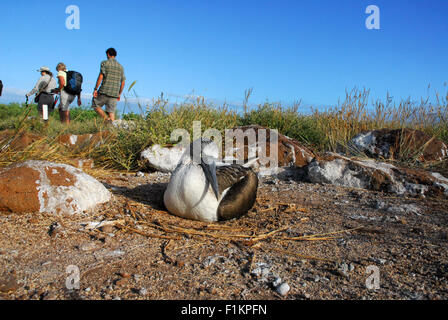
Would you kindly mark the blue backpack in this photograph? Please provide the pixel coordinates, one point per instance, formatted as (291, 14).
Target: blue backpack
(74, 83)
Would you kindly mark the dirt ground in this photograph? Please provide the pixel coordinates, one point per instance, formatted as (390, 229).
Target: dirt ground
(300, 241)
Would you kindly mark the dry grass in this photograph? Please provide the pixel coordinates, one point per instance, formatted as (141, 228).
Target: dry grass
(328, 130)
(354, 116)
(159, 224)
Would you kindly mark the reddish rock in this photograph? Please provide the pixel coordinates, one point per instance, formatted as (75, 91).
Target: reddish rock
(41, 186)
(290, 152)
(18, 189)
(10, 139)
(399, 144)
(84, 141)
(82, 164)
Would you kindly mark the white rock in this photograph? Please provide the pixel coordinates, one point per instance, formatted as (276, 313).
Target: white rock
(405, 208)
(123, 124)
(261, 271)
(115, 253)
(374, 175)
(283, 289)
(163, 159)
(87, 246)
(277, 281)
(143, 292)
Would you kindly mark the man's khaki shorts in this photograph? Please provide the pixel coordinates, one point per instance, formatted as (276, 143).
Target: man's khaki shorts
(101, 100)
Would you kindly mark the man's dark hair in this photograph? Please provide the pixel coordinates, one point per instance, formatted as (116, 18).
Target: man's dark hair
(112, 52)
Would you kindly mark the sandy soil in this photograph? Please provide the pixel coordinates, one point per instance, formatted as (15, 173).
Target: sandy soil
(319, 240)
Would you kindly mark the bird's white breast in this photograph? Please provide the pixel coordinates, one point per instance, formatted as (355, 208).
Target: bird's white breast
(189, 196)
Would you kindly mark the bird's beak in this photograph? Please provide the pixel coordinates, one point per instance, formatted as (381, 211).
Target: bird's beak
(210, 175)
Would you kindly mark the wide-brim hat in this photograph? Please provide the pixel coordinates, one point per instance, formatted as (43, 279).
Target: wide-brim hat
(44, 69)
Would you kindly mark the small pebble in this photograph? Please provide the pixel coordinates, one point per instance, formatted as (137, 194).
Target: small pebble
(121, 282)
(124, 275)
(260, 272)
(379, 260)
(54, 230)
(137, 277)
(107, 229)
(277, 281)
(209, 261)
(283, 289)
(87, 246)
(115, 253)
(143, 292)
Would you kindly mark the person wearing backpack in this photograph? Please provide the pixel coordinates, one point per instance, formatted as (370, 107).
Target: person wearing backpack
(69, 89)
(112, 80)
(43, 90)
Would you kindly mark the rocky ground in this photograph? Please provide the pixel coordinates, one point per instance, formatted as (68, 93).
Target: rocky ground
(300, 241)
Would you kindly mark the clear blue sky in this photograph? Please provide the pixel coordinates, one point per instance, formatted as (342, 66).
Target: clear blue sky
(284, 50)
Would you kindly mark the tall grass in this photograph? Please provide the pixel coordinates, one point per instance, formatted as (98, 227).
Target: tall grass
(327, 130)
(288, 121)
(155, 127)
(354, 115)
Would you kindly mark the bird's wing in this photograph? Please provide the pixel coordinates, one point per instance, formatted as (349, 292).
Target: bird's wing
(227, 176)
(238, 188)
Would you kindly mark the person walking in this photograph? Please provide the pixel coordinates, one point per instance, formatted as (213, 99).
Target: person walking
(66, 98)
(42, 89)
(112, 80)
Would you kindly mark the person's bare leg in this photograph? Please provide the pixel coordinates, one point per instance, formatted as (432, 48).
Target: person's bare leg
(111, 116)
(102, 113)
(61, 115)
(66, 117)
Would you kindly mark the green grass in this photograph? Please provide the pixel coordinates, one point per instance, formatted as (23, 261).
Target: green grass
(287, 121)
(327, 130)
(155, 127)
(84, 120)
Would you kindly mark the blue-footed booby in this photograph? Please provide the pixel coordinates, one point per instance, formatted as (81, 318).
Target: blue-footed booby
(200, 190)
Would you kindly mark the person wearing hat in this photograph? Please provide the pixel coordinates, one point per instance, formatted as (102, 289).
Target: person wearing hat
(42, 89)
